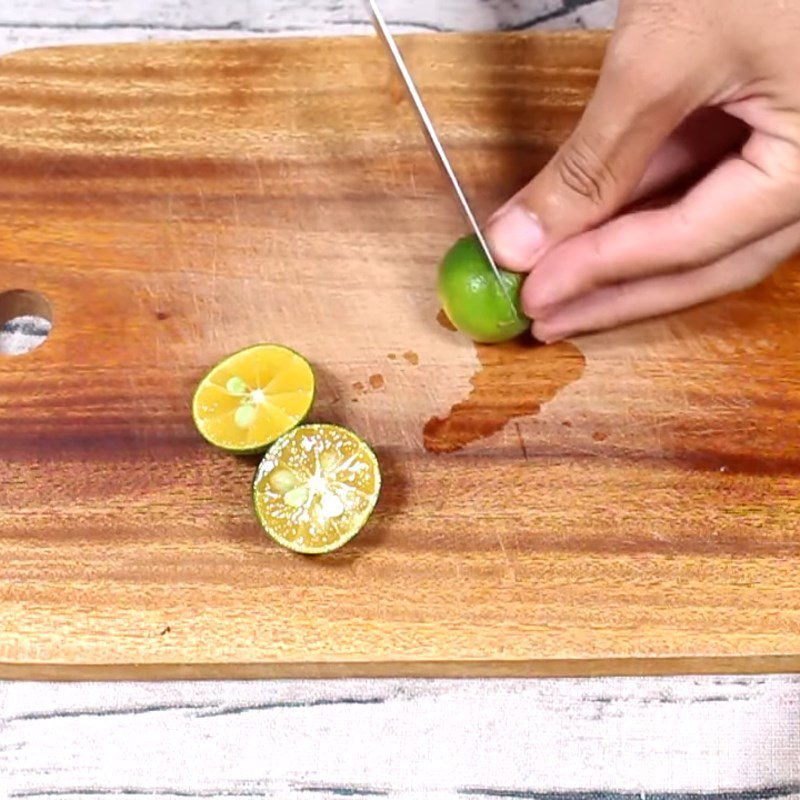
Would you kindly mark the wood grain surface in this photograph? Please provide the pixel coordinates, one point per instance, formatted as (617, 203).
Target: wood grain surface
(638, 511)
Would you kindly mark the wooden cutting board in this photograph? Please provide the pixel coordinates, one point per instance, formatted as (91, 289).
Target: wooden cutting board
(628, 502)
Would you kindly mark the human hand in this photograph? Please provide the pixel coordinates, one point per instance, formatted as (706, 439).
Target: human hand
(705, 91)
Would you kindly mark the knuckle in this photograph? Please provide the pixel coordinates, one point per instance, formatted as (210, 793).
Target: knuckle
(617, 311)
(599, 268)
(641, 67)
(690, 246)
(778, 158)
(584, 172)
(624, 60)
(643, 93)
(788, 161)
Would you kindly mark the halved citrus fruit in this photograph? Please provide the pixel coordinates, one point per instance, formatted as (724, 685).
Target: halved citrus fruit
(473, 299)
(316, 488)
(253, 397)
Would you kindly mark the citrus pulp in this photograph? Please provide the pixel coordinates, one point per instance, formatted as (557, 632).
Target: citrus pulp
(252, 397)
(316, 488)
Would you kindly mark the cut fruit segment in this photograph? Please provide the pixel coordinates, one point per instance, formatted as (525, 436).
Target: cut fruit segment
(316, 488)
(253, 397)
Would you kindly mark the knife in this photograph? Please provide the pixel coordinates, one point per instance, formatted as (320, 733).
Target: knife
(433, 139)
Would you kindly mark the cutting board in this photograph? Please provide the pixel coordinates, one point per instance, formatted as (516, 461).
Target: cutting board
(627, 502)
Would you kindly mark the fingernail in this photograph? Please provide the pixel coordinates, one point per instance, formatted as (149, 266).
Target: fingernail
(515, 236)
(500, 211)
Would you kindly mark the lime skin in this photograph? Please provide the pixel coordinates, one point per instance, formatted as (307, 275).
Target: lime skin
(473, 299)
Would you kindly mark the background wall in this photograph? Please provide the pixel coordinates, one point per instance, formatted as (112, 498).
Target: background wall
(25, 23)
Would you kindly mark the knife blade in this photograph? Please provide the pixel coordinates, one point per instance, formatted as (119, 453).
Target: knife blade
(434, 141)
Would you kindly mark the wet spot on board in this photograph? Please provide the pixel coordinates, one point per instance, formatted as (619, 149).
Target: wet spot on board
(374, 383)
(515, 379)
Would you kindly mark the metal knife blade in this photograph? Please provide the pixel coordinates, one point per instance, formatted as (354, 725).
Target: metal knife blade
(433, 138)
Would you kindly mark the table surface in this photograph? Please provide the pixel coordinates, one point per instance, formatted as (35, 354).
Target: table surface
(726, 737)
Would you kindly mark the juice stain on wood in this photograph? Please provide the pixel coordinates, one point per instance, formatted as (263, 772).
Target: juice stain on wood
(410, 357)
(515, 380)
(375, 383)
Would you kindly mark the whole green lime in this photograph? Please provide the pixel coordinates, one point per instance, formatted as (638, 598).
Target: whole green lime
(473, 299)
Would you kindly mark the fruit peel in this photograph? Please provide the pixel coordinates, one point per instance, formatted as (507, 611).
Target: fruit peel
(472, 298)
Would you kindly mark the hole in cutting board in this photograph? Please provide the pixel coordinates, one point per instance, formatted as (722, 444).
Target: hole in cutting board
(26, 320)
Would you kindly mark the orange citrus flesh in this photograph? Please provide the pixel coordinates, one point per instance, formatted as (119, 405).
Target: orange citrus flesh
(316, 488)
(253, 397)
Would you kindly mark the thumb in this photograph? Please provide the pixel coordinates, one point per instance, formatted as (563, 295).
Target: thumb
(596, 171)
